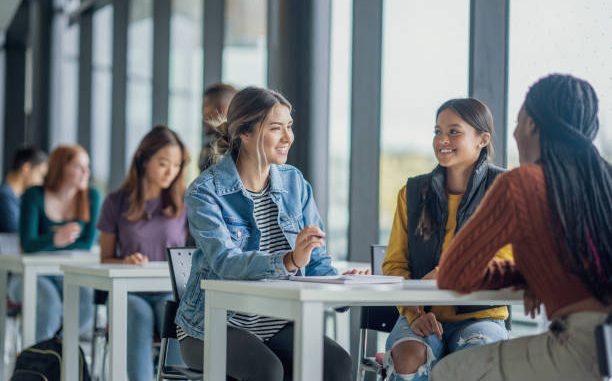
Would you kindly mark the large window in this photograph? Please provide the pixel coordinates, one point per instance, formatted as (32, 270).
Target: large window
(139, 73)
(245, 47)
(339, 128)
(549, 36)
(425, 62)
(101, 94)
(186, 66)
(64, 76)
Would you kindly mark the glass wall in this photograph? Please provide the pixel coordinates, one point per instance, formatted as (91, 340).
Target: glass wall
(64, 77)
(186, 67)
(575, 37)
(339, 128)
(425, 62)
(245, 51)
(101, 95)
(139, 74)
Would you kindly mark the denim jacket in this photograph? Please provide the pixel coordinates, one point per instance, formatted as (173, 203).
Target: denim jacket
(222, 222)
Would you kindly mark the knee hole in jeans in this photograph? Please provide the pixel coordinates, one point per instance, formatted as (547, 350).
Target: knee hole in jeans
(409, 356)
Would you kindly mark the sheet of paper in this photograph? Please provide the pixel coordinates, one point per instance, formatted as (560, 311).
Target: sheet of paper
(349, 279)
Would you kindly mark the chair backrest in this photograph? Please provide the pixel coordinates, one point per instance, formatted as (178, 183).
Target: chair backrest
(179, 262)
(378, 253)
(378, 318)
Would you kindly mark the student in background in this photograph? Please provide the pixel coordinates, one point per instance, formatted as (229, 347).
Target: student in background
(137, 223)
(59, 215)
(243, 214)
(29, 168)
(217, 98)
(555, 211)
(431, 208)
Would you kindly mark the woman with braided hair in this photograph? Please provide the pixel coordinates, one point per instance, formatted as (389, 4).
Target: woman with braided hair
(555, 210)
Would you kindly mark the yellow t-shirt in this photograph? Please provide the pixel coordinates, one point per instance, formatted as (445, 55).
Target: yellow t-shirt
(396, 259)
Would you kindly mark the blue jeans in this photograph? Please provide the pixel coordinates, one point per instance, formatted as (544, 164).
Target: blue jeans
(49, 309)
(145, 316)
(455, 337)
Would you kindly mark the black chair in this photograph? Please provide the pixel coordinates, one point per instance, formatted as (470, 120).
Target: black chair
(377, 319)
(179, 262)
(603, 338)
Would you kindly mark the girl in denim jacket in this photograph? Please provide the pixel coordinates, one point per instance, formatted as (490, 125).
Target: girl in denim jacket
(243, 213)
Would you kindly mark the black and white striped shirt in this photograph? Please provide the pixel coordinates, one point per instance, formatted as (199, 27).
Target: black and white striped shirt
(272, 240)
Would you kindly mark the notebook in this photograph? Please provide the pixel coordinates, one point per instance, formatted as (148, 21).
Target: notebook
(349, 279)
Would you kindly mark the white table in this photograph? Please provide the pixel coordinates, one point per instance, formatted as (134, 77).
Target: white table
(31, 266)
(118, 280)
(304, 303)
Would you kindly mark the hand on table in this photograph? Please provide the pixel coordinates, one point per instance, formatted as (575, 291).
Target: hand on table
(432, 274)
(357, 272)
(66, 234)
(136, 259)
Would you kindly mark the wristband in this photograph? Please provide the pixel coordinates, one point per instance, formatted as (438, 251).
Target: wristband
(293, 260)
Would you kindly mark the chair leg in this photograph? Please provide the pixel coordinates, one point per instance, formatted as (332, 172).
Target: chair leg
(98, 344)
(163, 348)
(361, 355)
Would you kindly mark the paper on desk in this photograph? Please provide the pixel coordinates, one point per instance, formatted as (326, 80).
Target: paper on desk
(425, 284)
(349, 279)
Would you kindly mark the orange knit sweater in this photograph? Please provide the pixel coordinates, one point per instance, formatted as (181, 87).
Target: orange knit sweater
(515, 210)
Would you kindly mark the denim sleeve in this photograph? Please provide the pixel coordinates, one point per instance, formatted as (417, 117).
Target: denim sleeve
(320, 262)
(9, 214)
(220, 253)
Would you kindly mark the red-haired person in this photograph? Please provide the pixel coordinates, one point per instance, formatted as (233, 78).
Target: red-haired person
(59, 215)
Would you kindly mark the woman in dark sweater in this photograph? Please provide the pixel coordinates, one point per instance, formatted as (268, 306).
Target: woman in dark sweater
(555, 211)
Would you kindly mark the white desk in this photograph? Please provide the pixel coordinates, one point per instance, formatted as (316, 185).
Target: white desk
(304, 303)
(31, 266)
(118, 280)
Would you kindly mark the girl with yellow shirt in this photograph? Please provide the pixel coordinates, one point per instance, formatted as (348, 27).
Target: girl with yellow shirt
(431, 208)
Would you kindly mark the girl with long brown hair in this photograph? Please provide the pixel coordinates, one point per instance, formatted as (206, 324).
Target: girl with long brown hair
(138, 222)
(431, 209)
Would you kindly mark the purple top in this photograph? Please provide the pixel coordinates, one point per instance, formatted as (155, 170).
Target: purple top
(150, 236)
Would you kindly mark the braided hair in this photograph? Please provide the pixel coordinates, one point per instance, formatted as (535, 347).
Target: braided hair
(578, 179)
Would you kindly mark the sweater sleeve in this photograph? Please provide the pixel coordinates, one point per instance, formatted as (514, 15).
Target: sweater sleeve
(32, 208)
(466, 264)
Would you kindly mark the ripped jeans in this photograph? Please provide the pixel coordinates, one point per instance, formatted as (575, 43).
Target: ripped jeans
(455, 337)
